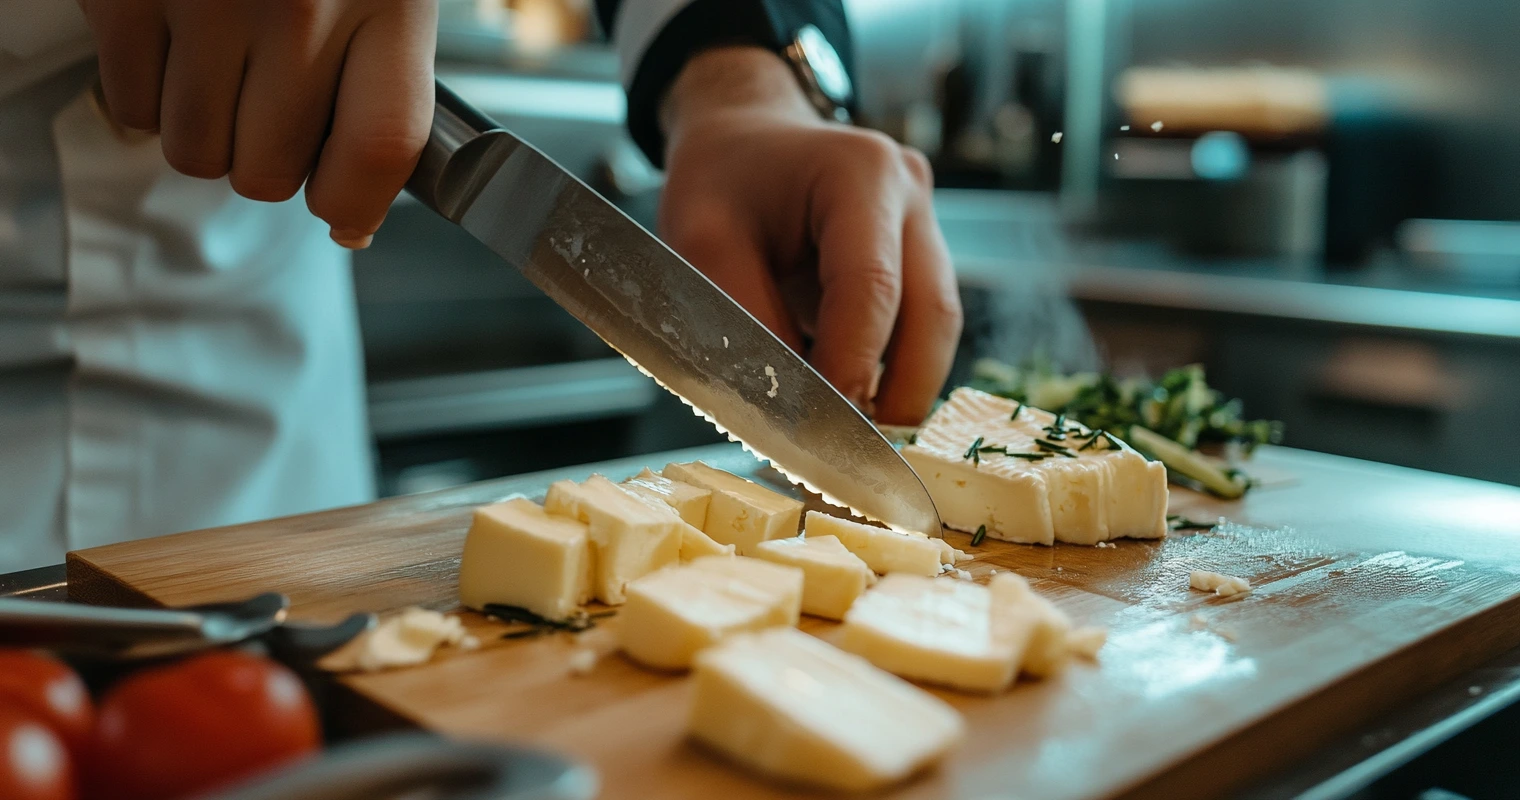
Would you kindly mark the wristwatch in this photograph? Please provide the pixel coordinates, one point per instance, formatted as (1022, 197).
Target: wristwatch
(821, 72)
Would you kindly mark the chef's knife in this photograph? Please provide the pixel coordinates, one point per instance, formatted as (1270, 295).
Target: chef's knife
(662, 314)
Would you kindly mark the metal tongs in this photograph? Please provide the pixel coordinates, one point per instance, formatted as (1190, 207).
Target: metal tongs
(141, 633)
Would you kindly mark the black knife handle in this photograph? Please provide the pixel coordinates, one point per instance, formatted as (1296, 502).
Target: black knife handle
(460, 138)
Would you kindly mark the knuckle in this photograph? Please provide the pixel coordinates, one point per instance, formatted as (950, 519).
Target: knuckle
(877, 150)
(303, 13)
(196, 165)
(266, 186)
(386, 153)
(919, 170)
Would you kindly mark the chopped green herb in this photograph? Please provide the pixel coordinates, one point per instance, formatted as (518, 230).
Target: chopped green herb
(1096, 435)
(913, 438)
(1054, 448)
(527, 633)
(1016, 412)
(1177, 522)
(981, 533)
(1030, 456)
(972, 452)
(580, 621)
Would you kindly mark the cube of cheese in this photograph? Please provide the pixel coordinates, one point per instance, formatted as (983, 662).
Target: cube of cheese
(883, 550)
(516, 554)
(1027, 481)
(940, 631)
(741, 513)
(832, 577)
(694, 543)
(629, 539)
(1049, 646)
(673, 613)
(792, 707)
(1222, 585)
(689, 501)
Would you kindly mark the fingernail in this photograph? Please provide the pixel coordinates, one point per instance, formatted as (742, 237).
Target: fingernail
(353, 240)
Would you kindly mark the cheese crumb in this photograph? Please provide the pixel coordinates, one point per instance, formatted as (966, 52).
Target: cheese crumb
(469, 643)
(725, 342)
(582, 661)
(1056, 137)
(770, 372)
(1107, 545)
(1222, 585)
(961, 574)
(407, 639)
(1123, 127)
(1086, 642)
(1156, 126)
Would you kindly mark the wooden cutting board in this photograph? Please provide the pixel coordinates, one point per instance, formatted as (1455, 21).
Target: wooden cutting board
(1371, 583)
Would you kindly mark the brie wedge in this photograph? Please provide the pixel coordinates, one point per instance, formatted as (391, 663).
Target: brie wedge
(792, 707)
(517, 554)
(629, 539)
(883, 550)
(832, 577)
(741, 513)
(674, 613)
(1028, 481)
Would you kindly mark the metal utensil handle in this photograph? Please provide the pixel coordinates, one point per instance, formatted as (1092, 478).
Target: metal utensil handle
(460, 142)
(389, 766)
(36, 623)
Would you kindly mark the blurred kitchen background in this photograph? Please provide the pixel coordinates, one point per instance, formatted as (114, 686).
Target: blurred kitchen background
(1317, 199)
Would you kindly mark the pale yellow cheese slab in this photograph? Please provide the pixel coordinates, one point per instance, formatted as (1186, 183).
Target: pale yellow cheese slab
(519, 555)
(689, 501)
(741, 513)
(832, 576)
(791, 707)
(674, 613)
(883, 550)
(629, 538)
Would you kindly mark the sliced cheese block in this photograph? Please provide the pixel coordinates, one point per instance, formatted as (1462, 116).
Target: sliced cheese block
(1083, 496)
(741, 513)
(674, 613)
(629, 539)
(694, 543)
(940, 631)
(794, 708)
(1049, 646)
(689, 501)
(883, 550)
(832, 577)
(517, 554)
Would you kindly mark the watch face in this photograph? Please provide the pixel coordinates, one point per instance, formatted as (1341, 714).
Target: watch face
(828, 69)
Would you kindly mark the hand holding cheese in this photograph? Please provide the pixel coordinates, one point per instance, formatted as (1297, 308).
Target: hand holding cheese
(883, 550)
(793, 707)
(741, 513)
(1030, 476)
(628, 538)
(517, 554)
(832, 576)
(674, 613)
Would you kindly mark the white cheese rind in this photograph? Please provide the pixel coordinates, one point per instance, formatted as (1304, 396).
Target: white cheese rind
(1088, 497)
(689, 501)
(741, 513)
(794, 708)
(517, 554)
(674, 613)
(883, 550)
(832, 576)
(629, 538)
(947, 632)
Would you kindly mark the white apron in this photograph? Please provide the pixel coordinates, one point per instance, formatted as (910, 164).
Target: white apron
(172, 356)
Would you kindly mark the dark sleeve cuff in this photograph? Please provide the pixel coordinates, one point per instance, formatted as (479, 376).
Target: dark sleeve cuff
(707, 23)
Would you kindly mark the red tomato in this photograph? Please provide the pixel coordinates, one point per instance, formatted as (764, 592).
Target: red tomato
(34, 763)
(199, 725)
(48, 690)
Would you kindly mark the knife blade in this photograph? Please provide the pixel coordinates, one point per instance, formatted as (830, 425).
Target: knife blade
(662, 314)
